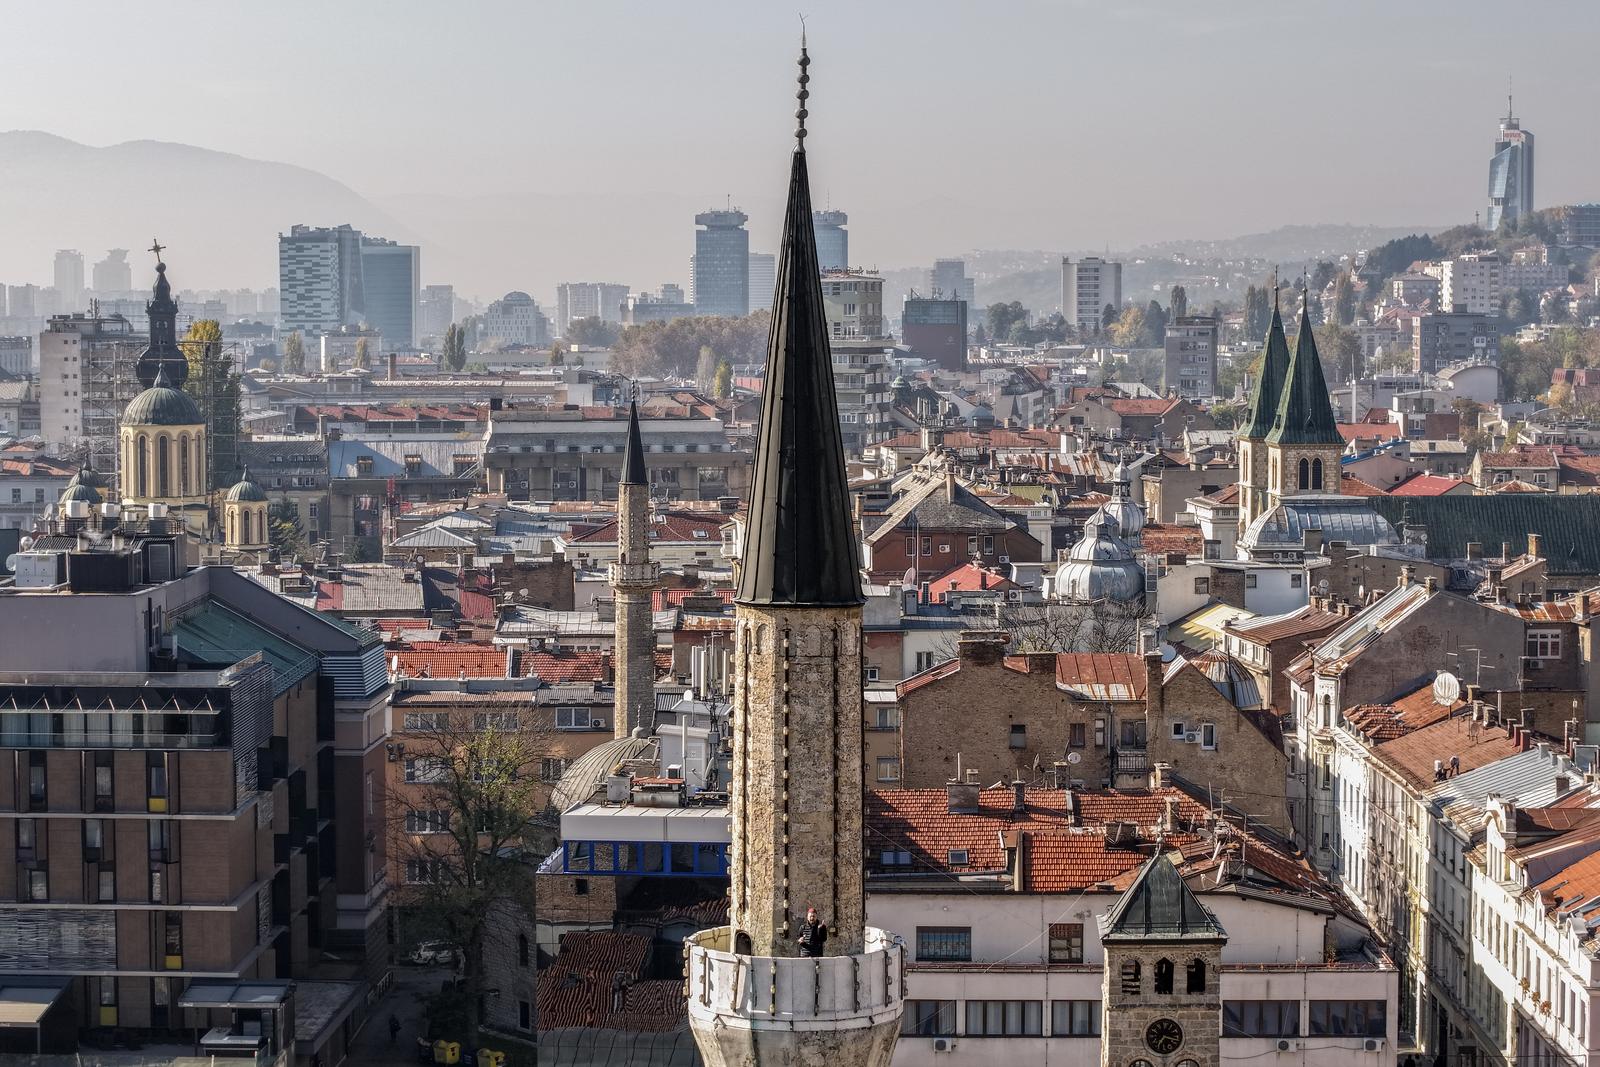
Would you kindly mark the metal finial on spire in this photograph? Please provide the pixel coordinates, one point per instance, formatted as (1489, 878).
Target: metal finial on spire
(804, 94)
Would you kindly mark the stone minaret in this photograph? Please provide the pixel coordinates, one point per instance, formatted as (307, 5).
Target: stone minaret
(634, 579)
(796, 794)
(1263, 411)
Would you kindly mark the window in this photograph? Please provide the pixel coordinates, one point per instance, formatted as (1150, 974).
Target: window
(423, 872)
(1261, 1018)
(1348, 1018)
(523, 955)
(572, 718)
(957, 857)
(427, 822)
(948, 944)
(1305, 474)
(93, 839)
(1131, 973)
(927, 546)
(1178, 730)
(1077, 735)
(1164, 971)
(35, 781)
(888, 768)
(929, 1018)
(911, 550)
(894, 858)
(500, 721)
(425, 769)
(1208, 735)
(155, 770)
(172, 940)
(524, 1015)
(1066, 942)
(425, 721)
(972, 545)
(551, 768)
(1195, 976)
(1250, 581)
(107, 885)
(1004, 1018)
(1074, 1018)
(1316, 474)
(1202, 586)
(1019, 735)
(924, 661)
(25, 839)
(38, 884)
(1544, 644)
(363, 465)
(872, 674)
(988, 545)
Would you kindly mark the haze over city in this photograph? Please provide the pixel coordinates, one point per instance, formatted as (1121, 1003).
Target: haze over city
(525, 144)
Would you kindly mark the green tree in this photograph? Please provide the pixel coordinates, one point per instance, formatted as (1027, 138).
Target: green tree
(593, 331)
(1155, 325)
(722, 388)
(287, 536)
(1002, 318)
(1131, 328)
(294, 353)
(1178, 302)
(1257, 312)
(453, 355)
(1108, 317)
(483, 791)
(364, 353)
(673, 348)
(214, 386)
(1344, 299)
(1340, 350)
(1322, 274)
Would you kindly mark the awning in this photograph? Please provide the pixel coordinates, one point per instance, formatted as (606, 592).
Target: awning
(25, 1001)
(218, 995)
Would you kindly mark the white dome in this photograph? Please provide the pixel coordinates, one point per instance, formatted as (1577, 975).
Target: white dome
(1101, 566)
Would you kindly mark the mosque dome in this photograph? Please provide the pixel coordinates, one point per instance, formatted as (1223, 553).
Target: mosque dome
(1101, 566)
(1121, 509)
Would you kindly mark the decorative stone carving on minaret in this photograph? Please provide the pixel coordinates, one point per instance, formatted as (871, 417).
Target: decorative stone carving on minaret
(634, 580)
(757, 994)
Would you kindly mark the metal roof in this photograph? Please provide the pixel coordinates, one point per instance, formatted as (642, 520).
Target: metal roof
(1340, 518)
(215, 634)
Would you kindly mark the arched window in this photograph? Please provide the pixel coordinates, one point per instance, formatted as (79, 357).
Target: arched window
(199, 465)
(233, 528)
(1316, 474)
(1305, 474)
(183, 465)
(522, 950)
(142, 466)
(1196, 976)
(1130, 976)
(1164, 971)
(248, 532)
(163, 467)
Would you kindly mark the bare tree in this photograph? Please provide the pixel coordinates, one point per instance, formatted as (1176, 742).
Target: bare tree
(1102, 626)
(471, 802)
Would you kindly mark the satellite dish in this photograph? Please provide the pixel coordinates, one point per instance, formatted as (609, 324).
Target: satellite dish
(910, 577)
(1322, 586)
(1074, 757)
(1446, 688)
(11, 563)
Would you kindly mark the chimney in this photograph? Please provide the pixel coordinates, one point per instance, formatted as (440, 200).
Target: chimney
(394, 365)
(1074, 816)
(1474, 549)
(1169, 816)
(1408, 574)
(1040, 662)
(1154, 699)
(961, 796)
(950, 485)
(1313, 542)
(1505, 551)
(1160, 776)
(982, 647)
(1536, 546)
(1431, 584)
(1019, 798)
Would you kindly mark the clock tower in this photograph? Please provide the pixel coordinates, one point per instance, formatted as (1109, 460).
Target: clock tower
(1161, 995)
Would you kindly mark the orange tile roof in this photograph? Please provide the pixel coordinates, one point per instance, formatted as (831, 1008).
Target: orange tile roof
(1475, 744)
(967, 578)
(1308, 621)
(447, 659)
(1350, 485)
(1385, 722)
(563, 665)
(1163, 537)
(1426, 485)
(1531, 457)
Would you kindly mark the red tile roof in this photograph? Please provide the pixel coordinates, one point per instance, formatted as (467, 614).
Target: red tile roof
(1368, 431)
(1426, 485)
(1533, 457)
(1350, 485)
(672, 598)
(967, 578)
(564, 666)
(1163, 537)
(1475, 744)
(1142, 405)
(1385, 722)
(447, 659)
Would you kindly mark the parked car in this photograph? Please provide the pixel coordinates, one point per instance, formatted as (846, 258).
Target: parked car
(433, 954)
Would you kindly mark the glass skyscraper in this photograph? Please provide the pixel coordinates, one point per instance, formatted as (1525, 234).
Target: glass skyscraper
(1510, 173)
(833, 241)
(721, 264)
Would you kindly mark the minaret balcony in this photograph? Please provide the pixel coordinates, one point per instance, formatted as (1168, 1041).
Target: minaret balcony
(635, 574)
(847, 1008)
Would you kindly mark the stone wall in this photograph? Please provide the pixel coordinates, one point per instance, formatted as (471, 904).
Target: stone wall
(797, 768)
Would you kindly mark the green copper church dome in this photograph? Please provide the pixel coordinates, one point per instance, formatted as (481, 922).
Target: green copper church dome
(162, 405)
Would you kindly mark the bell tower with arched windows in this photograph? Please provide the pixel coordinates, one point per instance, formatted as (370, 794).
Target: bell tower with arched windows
(1161, 997)
(1303, 446)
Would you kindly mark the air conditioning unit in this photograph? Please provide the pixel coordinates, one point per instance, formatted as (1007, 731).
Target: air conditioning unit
(1531, 664)
(1372, 1044)
(1191, 737)
(1004, 560)
(943, 1044)
(1284, 1045)
(597, 724)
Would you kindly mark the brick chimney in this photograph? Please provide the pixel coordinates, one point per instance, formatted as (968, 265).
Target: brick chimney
(1154, 699)
(1040, 662)
(982, 647)
(1535, 546)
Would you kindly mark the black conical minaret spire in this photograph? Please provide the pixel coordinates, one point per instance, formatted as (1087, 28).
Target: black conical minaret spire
(633, 472)
(800, 544)
(1305, 412)
(163, 352)
(1269, 383)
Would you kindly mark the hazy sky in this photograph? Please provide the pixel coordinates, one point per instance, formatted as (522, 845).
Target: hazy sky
(591, 127)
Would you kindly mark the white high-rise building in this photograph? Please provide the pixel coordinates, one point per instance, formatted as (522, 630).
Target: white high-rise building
(320, 277)
(515, 319)
(763, 280)
(1087, 286)
(1470, 283)
(69, 280)
(589, 300)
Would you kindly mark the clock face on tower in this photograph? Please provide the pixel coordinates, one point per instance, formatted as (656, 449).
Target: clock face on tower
(1163, 1036)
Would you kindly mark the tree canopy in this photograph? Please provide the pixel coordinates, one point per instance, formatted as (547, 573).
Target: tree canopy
(674, 348)
(214, 386)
